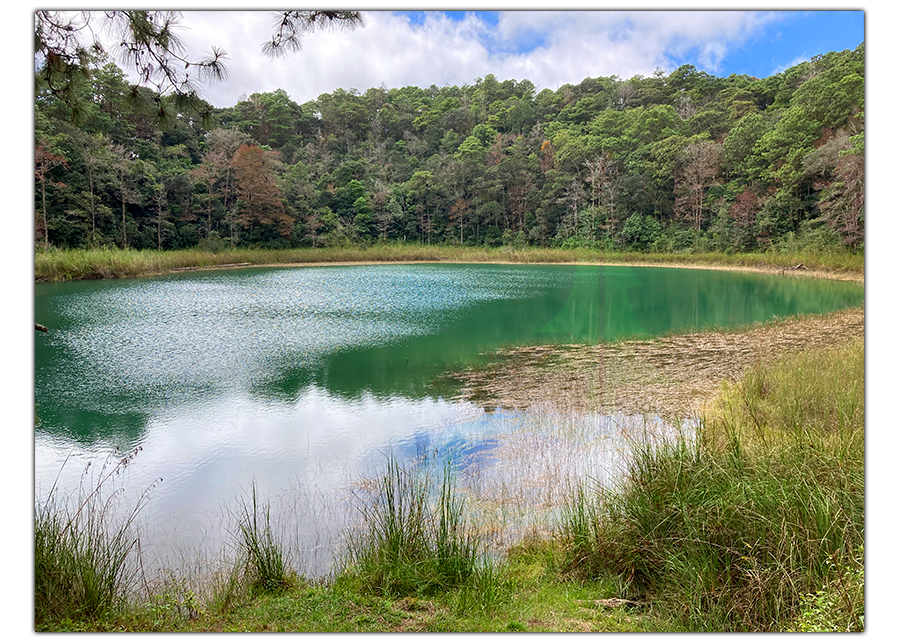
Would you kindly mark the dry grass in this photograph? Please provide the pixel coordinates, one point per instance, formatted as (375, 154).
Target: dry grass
(77, 264)
(539, 459)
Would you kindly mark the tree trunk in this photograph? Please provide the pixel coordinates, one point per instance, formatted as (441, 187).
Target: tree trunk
(44, 208)
(93, 212)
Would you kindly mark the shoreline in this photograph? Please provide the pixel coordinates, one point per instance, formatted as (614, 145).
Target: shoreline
(111, 264)
(771, 270)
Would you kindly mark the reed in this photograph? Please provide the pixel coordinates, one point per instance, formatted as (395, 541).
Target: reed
(262, 553)
(82, 264)
(411, 544)
(736, 528)
(85, 550)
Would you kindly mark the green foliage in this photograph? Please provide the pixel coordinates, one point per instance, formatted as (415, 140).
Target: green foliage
(212, 243)
(840, 605)
(412, 544)
(736, 526)
(262, 553)
(174, 606)
(641, 231)
(85, 562)
(442, 153)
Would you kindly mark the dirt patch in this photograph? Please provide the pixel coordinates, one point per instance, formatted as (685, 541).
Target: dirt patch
(672, 376)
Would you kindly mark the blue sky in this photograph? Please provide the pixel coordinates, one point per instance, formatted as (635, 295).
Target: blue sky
(801, 35)
(549, 48)
(795, 36)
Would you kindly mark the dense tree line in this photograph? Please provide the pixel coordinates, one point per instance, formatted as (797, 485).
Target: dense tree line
(670, 162)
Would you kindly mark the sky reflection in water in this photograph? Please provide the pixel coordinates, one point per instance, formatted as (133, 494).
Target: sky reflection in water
(310, 377)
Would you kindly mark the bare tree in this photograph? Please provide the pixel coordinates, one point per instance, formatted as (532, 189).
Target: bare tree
(838, 170)
(44, 161)
(699, 169)
(127, 195)
(573, 198)
(601, 174)
(160, 202)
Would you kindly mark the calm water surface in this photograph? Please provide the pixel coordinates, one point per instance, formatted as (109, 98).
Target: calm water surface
(307, 377)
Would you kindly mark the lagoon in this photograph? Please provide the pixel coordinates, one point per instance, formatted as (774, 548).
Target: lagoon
(306, 378)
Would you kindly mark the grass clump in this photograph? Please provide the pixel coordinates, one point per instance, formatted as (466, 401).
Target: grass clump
(735, 528)
(85, 551)
(409, 543)
(262, 553)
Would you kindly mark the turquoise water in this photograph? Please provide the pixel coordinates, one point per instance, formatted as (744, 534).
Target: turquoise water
(308, 376)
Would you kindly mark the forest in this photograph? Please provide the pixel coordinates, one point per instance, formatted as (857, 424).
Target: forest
(674, 162)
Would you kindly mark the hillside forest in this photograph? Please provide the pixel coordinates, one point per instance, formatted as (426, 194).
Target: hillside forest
(673, 162)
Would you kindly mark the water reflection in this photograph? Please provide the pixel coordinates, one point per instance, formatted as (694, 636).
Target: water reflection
(121, 351)
(308, 378)
(311, 456)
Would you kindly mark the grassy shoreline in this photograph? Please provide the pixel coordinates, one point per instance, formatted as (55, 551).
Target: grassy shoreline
(85, 264)
(755, 524)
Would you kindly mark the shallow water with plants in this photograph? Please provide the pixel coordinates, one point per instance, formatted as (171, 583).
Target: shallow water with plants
(305, 379)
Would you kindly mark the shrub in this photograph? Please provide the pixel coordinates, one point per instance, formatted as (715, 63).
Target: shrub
(640, 231)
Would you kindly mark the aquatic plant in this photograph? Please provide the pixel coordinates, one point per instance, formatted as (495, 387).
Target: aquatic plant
(262, 553)
(410, 543)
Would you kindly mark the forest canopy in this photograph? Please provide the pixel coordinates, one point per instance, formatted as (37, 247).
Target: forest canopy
(671, 162)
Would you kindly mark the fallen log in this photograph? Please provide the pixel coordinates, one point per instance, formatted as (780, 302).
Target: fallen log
(794, 268)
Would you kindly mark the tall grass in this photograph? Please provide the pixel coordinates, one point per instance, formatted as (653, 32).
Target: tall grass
(411, 544)
(735, 529)
(85, 549)
(79, 264)
(262, 553)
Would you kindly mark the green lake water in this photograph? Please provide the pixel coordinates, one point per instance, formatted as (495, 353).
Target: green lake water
(306, 377)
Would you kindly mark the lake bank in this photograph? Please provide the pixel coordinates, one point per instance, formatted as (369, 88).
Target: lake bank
(794, 579)
(64, 265)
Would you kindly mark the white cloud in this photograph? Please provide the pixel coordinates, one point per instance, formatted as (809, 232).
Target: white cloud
(391, 51)
(793, 63)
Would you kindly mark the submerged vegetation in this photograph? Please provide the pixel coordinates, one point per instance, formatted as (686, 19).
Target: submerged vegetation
(754, 522)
